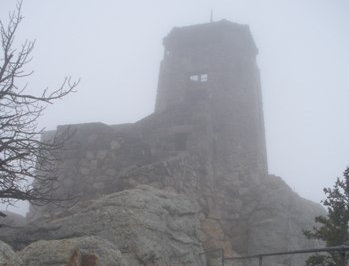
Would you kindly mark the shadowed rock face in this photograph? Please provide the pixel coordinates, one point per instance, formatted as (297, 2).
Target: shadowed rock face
(205, 141)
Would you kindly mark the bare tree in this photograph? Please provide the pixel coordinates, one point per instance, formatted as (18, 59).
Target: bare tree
(25, 159)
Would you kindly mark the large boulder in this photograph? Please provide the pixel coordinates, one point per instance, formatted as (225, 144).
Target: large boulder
(8, 257)
(83, 251)
(278, 220)
(148, 226)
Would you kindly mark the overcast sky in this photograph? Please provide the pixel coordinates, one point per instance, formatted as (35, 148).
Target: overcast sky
(115, 47)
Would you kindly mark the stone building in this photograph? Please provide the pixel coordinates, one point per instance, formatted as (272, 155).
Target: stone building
(205, 139)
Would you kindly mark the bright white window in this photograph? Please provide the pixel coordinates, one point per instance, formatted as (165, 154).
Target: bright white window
(199, 77)
(194, 77)
(204, 77)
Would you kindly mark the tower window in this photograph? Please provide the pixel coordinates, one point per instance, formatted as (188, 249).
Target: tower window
(194, 78)
(199, 77)
(204, 77)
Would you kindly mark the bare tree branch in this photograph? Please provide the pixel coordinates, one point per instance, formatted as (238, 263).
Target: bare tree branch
(27, 163)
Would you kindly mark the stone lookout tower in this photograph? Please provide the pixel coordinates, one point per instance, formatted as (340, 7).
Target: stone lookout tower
(205, 137)
(209, 72)
(205, 141)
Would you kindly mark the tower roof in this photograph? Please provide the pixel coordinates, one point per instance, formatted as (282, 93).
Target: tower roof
(223, 31)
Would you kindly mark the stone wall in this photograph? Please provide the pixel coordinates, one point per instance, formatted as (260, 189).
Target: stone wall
(244, 213)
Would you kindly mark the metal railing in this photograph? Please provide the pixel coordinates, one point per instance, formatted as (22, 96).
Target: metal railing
(340, 249)
(219, 251)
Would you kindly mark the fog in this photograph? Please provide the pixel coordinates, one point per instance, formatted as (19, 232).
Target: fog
(115, 47)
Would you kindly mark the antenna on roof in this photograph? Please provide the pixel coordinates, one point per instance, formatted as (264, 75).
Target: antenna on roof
(211, 19)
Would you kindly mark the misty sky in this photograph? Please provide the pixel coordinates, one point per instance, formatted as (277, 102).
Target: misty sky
(115, 47)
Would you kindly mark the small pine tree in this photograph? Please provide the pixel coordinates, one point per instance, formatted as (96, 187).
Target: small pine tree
(333, 229)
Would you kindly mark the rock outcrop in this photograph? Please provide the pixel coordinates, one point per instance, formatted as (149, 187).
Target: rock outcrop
(83, 251)
(148, 226)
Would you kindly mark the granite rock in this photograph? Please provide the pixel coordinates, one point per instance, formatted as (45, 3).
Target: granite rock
(8, 257)
(82, 251)
(149, 226)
